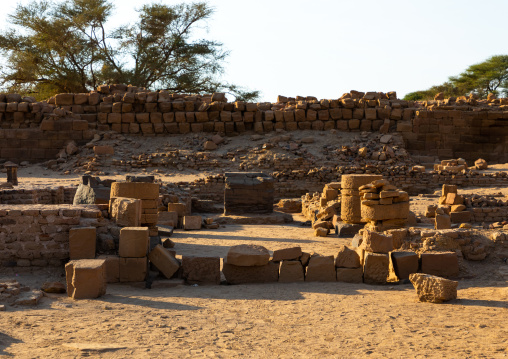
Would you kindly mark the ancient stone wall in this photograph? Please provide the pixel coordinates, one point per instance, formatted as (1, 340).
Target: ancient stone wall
(449, 132)
(38, 235)
(59, 195)
(451, 128)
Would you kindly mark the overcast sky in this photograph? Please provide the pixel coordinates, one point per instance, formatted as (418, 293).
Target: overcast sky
(325, 48)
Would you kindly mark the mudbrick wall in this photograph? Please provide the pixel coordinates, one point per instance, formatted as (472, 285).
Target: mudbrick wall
(451, 128)
(38, 235)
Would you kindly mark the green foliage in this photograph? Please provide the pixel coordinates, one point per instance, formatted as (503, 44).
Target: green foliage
(490, 76)
(67, 47)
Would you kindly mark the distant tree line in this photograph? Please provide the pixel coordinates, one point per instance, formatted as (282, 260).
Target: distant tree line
(68, 47)
(490, 76)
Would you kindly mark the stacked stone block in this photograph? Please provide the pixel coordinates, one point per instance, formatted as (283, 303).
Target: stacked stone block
(133, 250)
(148, 193)
(351, 211)
(248, 193)
(383, 206)
(249, 264)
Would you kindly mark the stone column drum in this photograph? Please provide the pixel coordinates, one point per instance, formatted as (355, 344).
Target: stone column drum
(351, 209)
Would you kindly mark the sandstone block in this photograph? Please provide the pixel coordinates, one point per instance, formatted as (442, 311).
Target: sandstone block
(442, 221)
(179, 208)
(345, 230)
(64, 99)
(133, 242)
(291, 271)
(460, 217)
(376, 242)
(125, 211)
(82, 242)
(86, 278)
(246, 255)
(112, 268)
(442, 264)
(376, 268)
(448, 188)
(168, 219)
(256, 274)
(132, 269)
(321, 269)
(381, 212)
(192, 222)
(321, 232)
(433, 289)
(354, 181)
(404, 264)
(347, 258)
(139, 190)
(201, 270)
(350, 275)
(292, 253)
(164, 261)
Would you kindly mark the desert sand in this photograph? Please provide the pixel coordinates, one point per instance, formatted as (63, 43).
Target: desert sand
(328, 320)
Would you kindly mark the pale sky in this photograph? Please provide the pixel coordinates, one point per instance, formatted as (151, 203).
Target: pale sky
(325, 48)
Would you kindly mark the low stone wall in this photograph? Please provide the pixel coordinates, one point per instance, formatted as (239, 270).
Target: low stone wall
(38, 235)
(55, 195)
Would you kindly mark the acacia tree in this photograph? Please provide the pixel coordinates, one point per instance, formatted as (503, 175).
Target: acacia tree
(67, 47)
(489, 76)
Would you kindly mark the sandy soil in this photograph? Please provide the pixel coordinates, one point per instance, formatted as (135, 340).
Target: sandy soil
(328, 320)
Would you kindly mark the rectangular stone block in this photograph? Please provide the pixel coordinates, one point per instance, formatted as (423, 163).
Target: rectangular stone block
(321, 269)
(404, 263)
(201, 270)
(347, 258)
(291, 271)
(257, 274)
(82, 242)
(133, 269)
(139, 190)
(292, 253)
(460, 217)
(125, 211)
(441, 264)
(350, 275)
(112, 268)
(168, 219)
(380, 212)
(179, 208)
(133, 242)
(164, 261)
(376, 242)
(86, 278)
(192, 222)
(376, 268)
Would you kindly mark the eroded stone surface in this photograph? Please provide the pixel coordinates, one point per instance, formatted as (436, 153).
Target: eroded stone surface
(433, 289)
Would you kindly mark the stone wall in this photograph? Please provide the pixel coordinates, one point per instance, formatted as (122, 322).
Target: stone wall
(451, 128)
(450, 132)
(38, 235)
(56, 195)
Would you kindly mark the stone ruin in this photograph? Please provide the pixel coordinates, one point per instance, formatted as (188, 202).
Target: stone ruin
(248, 193)
(115, 230)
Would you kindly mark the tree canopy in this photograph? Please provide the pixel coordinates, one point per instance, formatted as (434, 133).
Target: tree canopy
(489, 76)
(68, 47)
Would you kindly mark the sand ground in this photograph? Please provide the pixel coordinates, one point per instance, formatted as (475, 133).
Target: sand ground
(328, 320)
